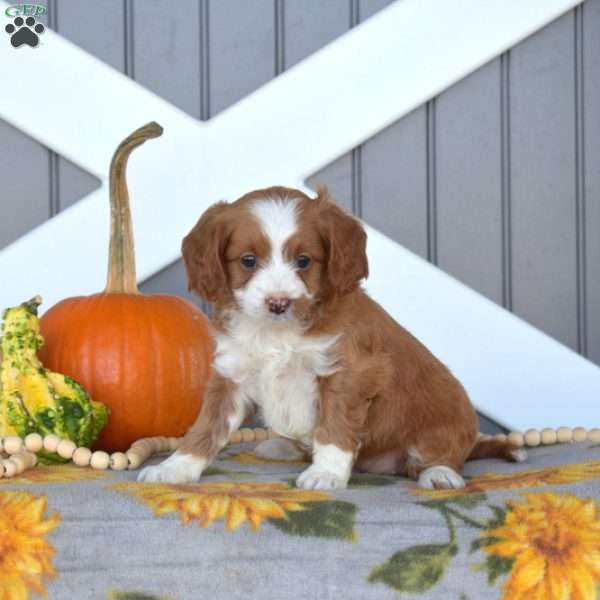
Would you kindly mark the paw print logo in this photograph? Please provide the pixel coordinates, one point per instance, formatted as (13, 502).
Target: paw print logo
(24, 32)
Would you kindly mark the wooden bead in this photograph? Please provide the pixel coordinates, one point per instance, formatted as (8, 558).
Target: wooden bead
(10, 468)
(247, 435)
(532, 437)
(82, 457)
(30, 458)
(174, 443)
(235, 438)
(20, 461)
(51, 442)
(579, 434)
(272, 434)
(261, 434)
(145, 447)
(13, 444)
(134, 459)
(66, 448)
(500, 437)
(594, 435)
(100, 460)
(118, 461)
(155, 444)
(516, 438)
(34, 442)
(162, 445)
(549, 436)
(564, 435)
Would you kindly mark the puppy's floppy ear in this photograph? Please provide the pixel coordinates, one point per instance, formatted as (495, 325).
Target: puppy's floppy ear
(345, 242)
(203, 250)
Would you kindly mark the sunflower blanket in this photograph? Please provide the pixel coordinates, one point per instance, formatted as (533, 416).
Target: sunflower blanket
(517, 532)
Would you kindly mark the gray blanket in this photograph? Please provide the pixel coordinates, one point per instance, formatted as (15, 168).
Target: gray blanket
(518, 531)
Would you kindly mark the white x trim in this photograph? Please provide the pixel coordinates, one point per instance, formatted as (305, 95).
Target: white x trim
(282, 133)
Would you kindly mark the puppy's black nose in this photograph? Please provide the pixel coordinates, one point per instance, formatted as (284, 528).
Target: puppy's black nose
(278, 305)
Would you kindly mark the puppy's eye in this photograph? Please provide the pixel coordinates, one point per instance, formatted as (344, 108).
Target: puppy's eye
(248, 261)
(303, 261)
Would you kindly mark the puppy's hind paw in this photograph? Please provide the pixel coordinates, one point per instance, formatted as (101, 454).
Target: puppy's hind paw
(518, 455)
(178, 468)
(440, 477)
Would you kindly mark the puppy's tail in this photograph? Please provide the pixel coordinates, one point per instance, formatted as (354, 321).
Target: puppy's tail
(491, 448)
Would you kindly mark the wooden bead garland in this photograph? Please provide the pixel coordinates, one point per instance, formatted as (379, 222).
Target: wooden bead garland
(17, 454)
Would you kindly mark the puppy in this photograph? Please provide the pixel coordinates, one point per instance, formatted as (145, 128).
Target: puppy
(297, 338)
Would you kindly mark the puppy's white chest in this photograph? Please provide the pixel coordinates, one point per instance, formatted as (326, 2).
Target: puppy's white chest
(277, 369)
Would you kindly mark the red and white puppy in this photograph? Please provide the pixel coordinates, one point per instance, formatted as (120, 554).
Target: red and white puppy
(298, 339)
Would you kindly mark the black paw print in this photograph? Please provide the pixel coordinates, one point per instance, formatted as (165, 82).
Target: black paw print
(27, 34)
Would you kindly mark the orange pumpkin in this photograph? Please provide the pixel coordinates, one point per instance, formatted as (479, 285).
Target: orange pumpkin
(145, 356)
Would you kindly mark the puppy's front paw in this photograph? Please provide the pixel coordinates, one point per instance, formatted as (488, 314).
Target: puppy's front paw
(178, 468)
(316, 479)
(440, 477)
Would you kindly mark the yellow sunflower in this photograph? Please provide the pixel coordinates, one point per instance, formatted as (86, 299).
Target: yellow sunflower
(25, 554)
(554, 540)
(55, 474)
(489, 482)
(233, 502)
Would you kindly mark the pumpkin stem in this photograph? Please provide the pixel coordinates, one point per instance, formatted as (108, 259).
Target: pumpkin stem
(121, 261)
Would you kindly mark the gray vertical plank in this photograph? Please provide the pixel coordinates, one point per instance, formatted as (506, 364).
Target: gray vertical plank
(167, 51)
(431, 181)
(73, 183)
(392, 172)
(49, 4)
(96, 27)
(591, 148)
(337, 176)
(308, 27)
(367, 8)
(468, 181)
(171, 280)
(236, 59)
(241, 49)
(394, 182)
(505, 174)
(25, 184)
(488, 426)
(542, 139)
(105, 40)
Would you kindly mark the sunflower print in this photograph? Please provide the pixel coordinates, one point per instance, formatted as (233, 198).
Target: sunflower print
(235, 503)
(25, 553)
(554, 540)
(490, 482)
(55, 474)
